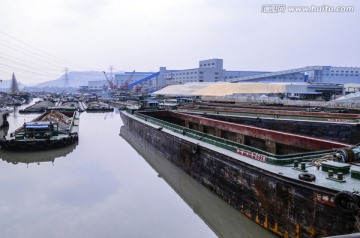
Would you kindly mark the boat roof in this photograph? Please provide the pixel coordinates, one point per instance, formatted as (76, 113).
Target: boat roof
(43, 124)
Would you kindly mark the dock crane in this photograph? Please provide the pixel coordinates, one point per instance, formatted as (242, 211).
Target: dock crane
(111, 84)
(125, 86)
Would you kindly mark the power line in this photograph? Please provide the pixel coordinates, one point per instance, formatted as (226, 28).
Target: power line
(25, 70)
(41, 51)
(27, 62)
(24, 65)
(28, 54)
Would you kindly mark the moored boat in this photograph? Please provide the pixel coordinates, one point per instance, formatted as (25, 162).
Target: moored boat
(292, 185)
(97, 106)
(38, 107)
(55, 128)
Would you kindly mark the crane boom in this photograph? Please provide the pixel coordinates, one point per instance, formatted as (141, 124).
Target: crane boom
(111, 85)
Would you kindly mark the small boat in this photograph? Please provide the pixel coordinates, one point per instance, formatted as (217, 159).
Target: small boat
(97, 106)
(57, 127)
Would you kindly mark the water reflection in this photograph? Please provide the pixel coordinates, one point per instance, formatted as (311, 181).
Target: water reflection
(223, 219)
(102, 188)
(29, 157)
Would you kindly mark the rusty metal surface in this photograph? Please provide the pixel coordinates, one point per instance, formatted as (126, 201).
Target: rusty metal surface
(289, 139)
(277, 112)
(342, 132)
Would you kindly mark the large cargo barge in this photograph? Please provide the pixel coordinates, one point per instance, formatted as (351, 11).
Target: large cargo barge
(292, 185)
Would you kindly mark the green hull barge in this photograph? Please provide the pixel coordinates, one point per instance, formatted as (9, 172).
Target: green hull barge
(55, 128)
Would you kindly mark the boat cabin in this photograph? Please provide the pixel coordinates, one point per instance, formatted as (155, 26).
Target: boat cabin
(40, 130)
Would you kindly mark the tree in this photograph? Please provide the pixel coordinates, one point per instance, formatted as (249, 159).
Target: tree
(14, 85)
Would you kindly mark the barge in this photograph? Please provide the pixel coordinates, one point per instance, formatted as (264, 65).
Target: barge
(55, 128)
(292, 185)
(38, 107)
(97, 106)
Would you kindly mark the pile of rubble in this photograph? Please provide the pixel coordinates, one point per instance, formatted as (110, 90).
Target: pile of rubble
(56, 117)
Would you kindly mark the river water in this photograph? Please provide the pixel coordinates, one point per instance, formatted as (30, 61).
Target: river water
(103, 187)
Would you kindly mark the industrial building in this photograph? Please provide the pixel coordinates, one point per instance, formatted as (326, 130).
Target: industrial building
(212, 71)
(303, 83)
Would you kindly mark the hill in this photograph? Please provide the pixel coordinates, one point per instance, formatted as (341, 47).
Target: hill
(75, 79)
(6, 84)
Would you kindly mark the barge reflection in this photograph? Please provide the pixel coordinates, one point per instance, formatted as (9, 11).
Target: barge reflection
(29, 157)
(223, 219)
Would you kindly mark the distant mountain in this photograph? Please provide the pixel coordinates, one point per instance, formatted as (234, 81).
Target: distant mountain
(75, 79)
(6, 84)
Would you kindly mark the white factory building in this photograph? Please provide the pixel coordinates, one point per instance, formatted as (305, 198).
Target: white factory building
(327, 78)
(212, 70)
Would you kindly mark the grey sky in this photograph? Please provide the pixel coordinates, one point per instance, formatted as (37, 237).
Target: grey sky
(143, 35)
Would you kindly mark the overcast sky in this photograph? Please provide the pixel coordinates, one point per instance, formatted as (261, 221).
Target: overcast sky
(40, 38)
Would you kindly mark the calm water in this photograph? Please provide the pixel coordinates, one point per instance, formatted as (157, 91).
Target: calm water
(102, 187)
